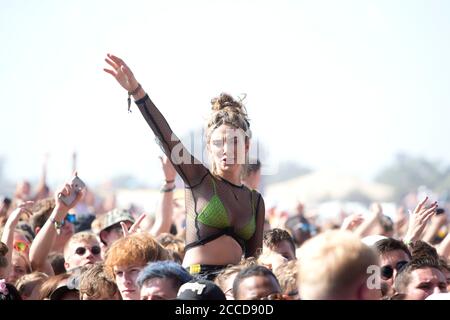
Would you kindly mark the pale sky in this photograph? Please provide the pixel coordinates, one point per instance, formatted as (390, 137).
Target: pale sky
(330, 84)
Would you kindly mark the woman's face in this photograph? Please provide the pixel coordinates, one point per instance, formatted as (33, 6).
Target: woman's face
(18, 268)
(228, 148)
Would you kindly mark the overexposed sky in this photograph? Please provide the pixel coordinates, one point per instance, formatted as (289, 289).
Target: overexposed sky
(330, 84)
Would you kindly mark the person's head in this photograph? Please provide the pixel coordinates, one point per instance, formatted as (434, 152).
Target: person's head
(95, 284)
(394, 255)
(252, 178)
(8, 291)
(111, 229)
(51, 284)
(200, 289)
(255, 283)
(173, 243)
(280, 241)
(445, 268)
(81, 249)
(420, 278)
(421, 250)
(127, 257)
(68, 289)
(334, 265)
(29, 285)
(300, 229)
(226, 278)
(287, 275)
(20, 265)
(228, 135)
(161, 280)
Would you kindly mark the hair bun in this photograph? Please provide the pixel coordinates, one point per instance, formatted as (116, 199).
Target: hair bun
(225, 101)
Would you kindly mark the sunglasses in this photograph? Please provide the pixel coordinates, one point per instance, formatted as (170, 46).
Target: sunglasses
(95, 250)
(21, 246)
(387, 271)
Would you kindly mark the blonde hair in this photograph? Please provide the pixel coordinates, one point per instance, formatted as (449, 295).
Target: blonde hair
(135, 249)
(331, 264)
(226, 110)
(83, 236)
(286, 274)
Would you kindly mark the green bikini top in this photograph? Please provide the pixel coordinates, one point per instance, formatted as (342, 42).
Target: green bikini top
(215, 215)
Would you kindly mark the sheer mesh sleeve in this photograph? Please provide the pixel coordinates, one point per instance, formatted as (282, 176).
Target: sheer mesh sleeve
(188, 167)
(254, 244)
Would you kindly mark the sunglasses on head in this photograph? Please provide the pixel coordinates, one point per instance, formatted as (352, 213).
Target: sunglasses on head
(387, 271)
(20, 246)
(95, 250)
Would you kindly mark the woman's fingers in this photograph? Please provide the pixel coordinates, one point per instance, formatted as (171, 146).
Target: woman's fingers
(111, 72)
(420, 205)
(124, 229)
(112, 64)
(116, 59)
(135, 226)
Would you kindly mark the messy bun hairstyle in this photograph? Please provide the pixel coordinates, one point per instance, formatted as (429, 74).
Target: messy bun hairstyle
(226, 110)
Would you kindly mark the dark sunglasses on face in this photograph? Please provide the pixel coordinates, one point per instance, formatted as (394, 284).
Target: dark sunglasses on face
(387, 271)
(95, 250)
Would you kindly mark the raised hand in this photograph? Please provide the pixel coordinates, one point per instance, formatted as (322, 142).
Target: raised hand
(352, 221)
(134, 228)
(168, 169)
(23, 209)
(418, 220)
(66, 191)
(121, 72)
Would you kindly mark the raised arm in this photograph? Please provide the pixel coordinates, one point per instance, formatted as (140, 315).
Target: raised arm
(164, 212)
(43, 243)
(8, 230)
(190, 169)
(254, 244)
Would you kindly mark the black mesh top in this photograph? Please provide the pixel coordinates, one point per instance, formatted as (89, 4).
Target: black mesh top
(231, 208)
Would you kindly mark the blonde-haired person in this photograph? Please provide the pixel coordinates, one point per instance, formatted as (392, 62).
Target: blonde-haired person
(223, 215)
(226, 278)
(286, 274)
(127, 257)
(336, 265)
(82, 249)
(30, 284)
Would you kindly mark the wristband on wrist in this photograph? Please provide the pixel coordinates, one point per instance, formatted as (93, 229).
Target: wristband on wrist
(169, 181)
(131, 93)
(167, 189)
(58, 225)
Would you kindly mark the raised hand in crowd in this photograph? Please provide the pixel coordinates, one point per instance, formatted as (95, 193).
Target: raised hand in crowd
(124, 76)
(23, 210)
(134, 228)
(418, 220)
(45, 239)
(164, 212)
